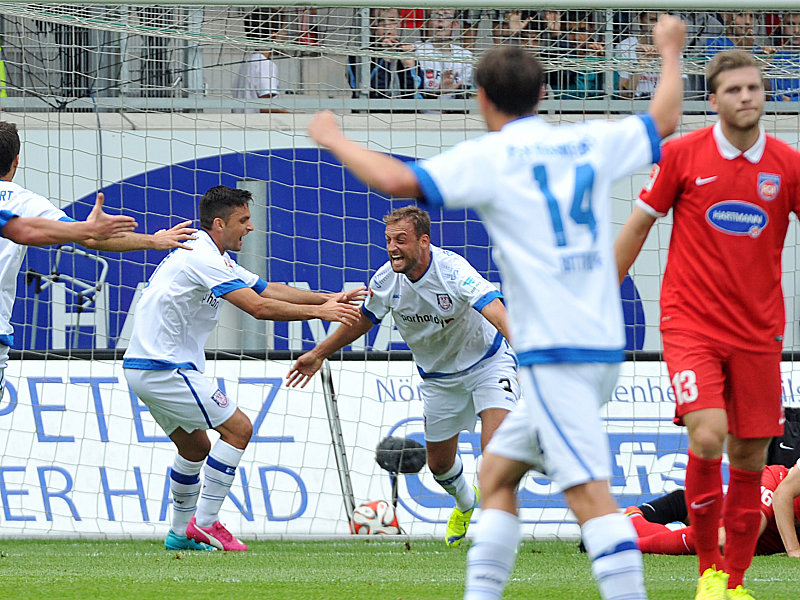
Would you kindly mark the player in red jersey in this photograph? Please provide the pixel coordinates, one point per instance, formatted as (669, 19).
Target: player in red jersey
(731, 188)
(780, 517)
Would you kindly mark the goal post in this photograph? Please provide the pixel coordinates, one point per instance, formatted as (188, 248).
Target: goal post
(141, 102)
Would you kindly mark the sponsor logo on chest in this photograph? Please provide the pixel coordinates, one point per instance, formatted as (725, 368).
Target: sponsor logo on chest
(736, 217)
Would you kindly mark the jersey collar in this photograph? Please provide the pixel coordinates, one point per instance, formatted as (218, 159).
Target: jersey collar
(729, 151)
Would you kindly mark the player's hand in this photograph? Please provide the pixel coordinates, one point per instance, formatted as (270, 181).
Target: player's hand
(303, 370)
(166, 239)
(669, 34)
(448, 80)
(105, 226)
(334, 310)
(324, 128)
(354, 296)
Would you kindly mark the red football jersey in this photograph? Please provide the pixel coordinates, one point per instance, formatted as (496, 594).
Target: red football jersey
(770, 541)
(730, 214)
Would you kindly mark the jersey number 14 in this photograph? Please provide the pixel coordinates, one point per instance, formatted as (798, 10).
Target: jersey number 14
(581, 208)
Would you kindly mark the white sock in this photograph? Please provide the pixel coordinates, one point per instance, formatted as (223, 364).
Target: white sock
(455, 484)
(184, 483)
(492, 555)
(610, 541)
(220, 472)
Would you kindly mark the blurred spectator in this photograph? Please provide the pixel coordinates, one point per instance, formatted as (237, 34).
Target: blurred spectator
(389, 77)
(740, 33)
(787, 60)
(446, 66)
(258, 74)
(515, 26)
(638, 49)
(552, 44)
(583, 82)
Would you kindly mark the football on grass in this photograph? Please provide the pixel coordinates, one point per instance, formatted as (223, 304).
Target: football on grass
(376, 517)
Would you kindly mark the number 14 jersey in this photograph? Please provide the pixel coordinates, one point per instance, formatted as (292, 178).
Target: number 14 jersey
(543, 192)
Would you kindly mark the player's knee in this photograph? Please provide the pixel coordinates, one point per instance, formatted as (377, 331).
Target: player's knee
(707, 442)
(439, 465)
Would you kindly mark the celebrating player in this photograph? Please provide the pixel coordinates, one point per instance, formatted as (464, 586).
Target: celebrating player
(165, 359)
(454, 322)
(731, 188)
(777, 531)
(28, 219)
(543, 193)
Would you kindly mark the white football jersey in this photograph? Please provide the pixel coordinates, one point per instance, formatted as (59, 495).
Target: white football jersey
(16, 201)
(180, 306)
(438, 315)
(543, 193)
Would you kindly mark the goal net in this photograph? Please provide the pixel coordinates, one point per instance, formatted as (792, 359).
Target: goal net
(153, 105)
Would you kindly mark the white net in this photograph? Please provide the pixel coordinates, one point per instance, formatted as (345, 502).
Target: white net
(144, 103)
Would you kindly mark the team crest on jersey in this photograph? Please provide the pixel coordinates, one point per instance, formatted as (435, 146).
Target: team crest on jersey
(445, 303)
(220, 398)
(769, 184)
(651, 181)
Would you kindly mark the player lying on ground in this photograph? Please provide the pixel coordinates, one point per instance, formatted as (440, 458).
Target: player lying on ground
(164, 362)
(777, 532)
(454, 322)
(543, 193)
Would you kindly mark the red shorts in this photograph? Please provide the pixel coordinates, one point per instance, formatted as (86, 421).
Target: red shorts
(708, 374)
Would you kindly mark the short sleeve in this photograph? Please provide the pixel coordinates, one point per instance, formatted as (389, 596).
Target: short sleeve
(659, 192)
(376, 305)
(5, 217)
(627, 145)
(216, 275)
(34, 205)
(472, 288)
(459, 177)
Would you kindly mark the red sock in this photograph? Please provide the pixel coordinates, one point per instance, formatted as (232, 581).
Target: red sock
(680, 541)
(704, 502)
(741, 516)
(645, 528)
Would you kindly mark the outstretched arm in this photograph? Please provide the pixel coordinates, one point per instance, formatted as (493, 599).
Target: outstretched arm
(287, 293)
(380, 171)
(631, 239)
(310, 362)
(278, 310)
(665, 108)
(38, 231)
(783, 505)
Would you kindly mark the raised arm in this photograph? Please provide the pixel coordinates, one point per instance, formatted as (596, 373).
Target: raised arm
(495, 313)
(310, 362)
(630, 239)
(783, 505)
(380, 171)
(665, 107)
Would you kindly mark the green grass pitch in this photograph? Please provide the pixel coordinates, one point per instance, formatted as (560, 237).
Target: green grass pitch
(359, 569)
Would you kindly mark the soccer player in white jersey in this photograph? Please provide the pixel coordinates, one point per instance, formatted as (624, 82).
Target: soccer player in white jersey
(454, 322)
(165, 360)
(543, 194)
(28, 219)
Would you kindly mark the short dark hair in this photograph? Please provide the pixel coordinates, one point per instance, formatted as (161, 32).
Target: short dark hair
(221, 201)
(512, 79)
(727, 60)
(420, 219)
(9, 146)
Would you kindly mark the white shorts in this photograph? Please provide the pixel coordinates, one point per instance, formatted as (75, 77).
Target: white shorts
(181, 398)
(452, 404)
(557, 429)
